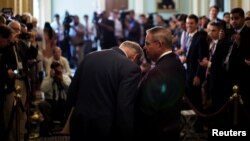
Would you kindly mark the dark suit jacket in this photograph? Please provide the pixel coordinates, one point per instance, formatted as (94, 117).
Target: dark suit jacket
(238, 69)
(239, 75)
(8, 61)
(3, 72)
(221, 22)
(103, 91)
(107, 37)
(197, 51)
(160, 96)
(217, 76)
(134, 33)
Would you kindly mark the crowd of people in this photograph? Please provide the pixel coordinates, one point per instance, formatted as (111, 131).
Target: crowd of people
(133, 87)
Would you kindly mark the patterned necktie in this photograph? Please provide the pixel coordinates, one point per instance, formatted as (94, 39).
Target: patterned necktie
(211, 52)
(211, 49)
(188, 43)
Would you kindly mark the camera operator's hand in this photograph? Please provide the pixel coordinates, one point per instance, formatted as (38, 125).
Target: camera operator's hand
(57, 74)
(52, 73)
(58, 77)
(11, 73)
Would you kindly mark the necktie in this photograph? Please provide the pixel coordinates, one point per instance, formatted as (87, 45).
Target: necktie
(87, 31)
(211, 49)
(188, 43)
(211, 52)
(226, 62)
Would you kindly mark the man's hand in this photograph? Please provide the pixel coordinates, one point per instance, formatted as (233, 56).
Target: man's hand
(196, 81)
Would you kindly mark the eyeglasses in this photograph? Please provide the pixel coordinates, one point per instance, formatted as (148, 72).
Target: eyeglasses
(148, 43)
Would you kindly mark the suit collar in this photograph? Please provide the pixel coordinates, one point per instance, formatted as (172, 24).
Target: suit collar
(165, 56)
(239, 30)
(117, 49)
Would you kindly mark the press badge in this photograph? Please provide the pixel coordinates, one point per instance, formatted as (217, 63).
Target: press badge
(19, 65)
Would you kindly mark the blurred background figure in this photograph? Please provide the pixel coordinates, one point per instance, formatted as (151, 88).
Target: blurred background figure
(5, 39)
(106, 30)
(88, 35)
(54, 107)
(76, 35)
(57, 57)
(50, 42)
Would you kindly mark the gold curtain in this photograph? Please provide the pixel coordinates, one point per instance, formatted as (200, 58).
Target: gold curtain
(18, 6)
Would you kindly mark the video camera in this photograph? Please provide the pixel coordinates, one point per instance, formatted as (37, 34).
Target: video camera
(68, 19)
(24, 36)
(7, 13)
(54, 66)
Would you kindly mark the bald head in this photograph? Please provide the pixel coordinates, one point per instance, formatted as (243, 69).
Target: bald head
(57, 53)
(15, 26)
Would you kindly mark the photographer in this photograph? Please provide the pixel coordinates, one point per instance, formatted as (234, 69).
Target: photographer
(53, 108)
(107, 31)
(65, 44)
(76, 34)
(17, 76)
(19, 57)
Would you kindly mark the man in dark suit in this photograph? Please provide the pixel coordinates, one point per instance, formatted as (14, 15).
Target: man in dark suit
(238, 68)
(161, 90)
(106, 29)
(103, 91)
(196, 51)
(5, 35)
(213, 16)
(216, 75)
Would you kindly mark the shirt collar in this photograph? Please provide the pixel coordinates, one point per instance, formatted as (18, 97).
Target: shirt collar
(192, 34)
(163, 54)
(239, 30)
(215, 41)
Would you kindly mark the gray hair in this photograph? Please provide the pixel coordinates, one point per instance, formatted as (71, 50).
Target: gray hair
(134, 47)
(161, 34)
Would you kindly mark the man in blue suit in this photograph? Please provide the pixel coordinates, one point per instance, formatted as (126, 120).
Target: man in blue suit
(103, 92)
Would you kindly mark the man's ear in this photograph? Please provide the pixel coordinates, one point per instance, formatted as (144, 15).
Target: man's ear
(137, 59)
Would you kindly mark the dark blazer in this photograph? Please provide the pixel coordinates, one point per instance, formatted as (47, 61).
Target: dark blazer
(221, 22)
(3, 72)
(159, 99)
(8, 61)
(107, 37)
(134, 33)
(197, 51)
(217, 76)
(103, 91)
(238, 74)
(238, 69)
